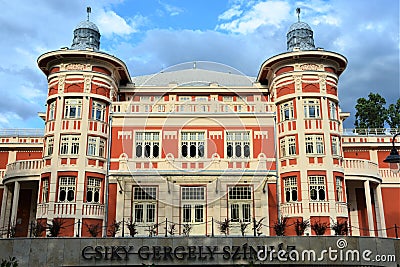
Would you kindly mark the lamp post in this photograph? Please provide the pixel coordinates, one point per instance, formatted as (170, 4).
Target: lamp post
(394, 158)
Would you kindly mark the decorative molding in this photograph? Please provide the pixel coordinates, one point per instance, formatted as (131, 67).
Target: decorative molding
(125, 135)
(215, 134)
(260, 134)
(74, 67)
(170, 134)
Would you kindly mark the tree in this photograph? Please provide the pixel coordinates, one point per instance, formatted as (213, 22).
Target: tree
(371, 113)
(393, 118)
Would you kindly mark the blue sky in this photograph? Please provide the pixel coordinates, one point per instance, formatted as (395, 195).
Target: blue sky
(150, 35)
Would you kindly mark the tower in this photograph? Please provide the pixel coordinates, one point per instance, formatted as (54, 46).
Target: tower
(82, 83)
(303, 83)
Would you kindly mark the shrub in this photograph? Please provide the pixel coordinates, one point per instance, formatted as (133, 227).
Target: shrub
(55, 227)
(280, 226)
(319, 228)
(301, 226)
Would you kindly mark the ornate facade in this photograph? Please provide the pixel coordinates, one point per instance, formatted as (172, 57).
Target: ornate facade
(191, 147)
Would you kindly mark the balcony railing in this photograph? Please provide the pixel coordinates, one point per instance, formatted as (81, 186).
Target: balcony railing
(23, 168)
(373, 131)
(361, 167)
(22, 132)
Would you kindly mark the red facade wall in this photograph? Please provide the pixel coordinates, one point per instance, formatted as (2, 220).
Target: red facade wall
(87, 223)
(28, 155)
(362, 212)
(112, 204)
(391, 207)
(357, 154)
(272, 207)
(3, 160)
(322, 220)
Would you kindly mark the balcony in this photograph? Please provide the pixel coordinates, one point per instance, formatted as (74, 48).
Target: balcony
(26, 169)
(359, 169)
(316, 208)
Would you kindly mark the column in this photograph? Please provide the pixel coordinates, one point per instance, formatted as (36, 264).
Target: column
(14, 206)
(4, 208)
(369, 208)
(381, 214)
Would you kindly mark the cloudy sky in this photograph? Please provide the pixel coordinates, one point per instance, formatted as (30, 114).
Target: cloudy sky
(152, 35)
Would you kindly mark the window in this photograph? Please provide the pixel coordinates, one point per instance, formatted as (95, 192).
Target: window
(98, 111)
(240, 200)
(314, 144)
(193, 206)
(238, 144)
(147, 144)
(339, 189)
(69, 145)
(192, 144)
(96, 146)
(145, 98)
(288, 146)
(287, 112)
(45, 190)
(73, 108)
(144, 206)
(185, 98)
(290, 187)
(311, 108)
(333, 110)
(335, 146)
(93, 190)
(317, 188)
(50, 146)
(66, 189)
(201, 98)
(52, 110)
(227, 98)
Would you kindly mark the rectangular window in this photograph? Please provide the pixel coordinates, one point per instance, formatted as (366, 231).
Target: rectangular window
(238, 144)
(311, 108)
(145, 99)
(192, 144)
(339, 189)
(240, 203)
(67, 187)
(69, 145)
(93, 190)
(50, 146)
(193, 198)
(187, 213)
(286, 111)
(290, 188)
(335, 146)
(201, 98)
(314, 144)
(144, 204)
(73, 108)
(45, 190)
(52, 110)
(333, 110)
(185, 98)
(98, 111)
(288, 146)
(227, 98)
(96, 146)
(147, 144)
(193, 193)
(317, 188)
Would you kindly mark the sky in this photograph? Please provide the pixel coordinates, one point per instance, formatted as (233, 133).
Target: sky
(151, 35)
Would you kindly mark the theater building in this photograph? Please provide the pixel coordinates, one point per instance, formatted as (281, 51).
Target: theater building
(192, 146)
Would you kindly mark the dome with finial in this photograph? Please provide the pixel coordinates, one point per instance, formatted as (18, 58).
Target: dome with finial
(300, 35)
(86, 35)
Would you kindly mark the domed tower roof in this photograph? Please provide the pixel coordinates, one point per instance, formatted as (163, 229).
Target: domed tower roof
(300, 35)
(86, 35)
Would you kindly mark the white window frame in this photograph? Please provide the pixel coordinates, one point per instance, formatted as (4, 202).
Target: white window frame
(333, 110)
(193, 203)
(144, 208)
(98, 111)
(290, 188)
(237, 144)
(184, 98)
(45, 190)
(73, 108)
(312, 108)
(240, 200)
(69, 144)
(316, 187)
(52, 110)
(68, 185)
(227, 98)
(286, 111)
(94, 188)
(335, 145)
(288, 146)
(96, 146)
(195, 140)
(314, 144)
(150, 141)
(339, 189)
(50, 145)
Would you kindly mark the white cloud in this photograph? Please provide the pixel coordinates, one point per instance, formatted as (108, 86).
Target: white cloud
(171, 10)
(230, 13)
(272, 13)
(110, 23)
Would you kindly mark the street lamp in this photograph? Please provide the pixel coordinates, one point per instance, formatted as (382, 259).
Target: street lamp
(394, 158)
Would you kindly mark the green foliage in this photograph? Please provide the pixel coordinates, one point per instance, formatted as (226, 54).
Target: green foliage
(394, 115)
(224, 226)
(132, 228)
(280, 226)
(371, 113)
(11, 262)
(301, 226)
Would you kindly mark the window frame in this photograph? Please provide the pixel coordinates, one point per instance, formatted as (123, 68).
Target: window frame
(141, 137)
(49, 146)
(310, 105)
(335, 145)
(69, 105)
(317, 183)
(239, 139)
(199, 144)
(52, 110)
(69, 144)
(96, 146)
(314, 144)
(45, 190)
(289, 185)
(240, 204)
(98, 108)
(144, 203)
(288, 146)
(193, 203)
(333, 110)
(94, 185)
(286, 111)
(68, 185)
(339, 189)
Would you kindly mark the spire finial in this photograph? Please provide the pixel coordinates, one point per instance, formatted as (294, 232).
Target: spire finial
(298, 14)
(88, 10)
